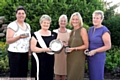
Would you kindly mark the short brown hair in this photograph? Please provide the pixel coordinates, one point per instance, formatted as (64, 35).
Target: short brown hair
(20, 8)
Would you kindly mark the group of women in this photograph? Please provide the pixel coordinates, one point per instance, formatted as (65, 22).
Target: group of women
(44, 63)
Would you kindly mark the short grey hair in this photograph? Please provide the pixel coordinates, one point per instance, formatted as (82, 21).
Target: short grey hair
(79, 17)
(63, 16)
(99, 12)
(45, 17)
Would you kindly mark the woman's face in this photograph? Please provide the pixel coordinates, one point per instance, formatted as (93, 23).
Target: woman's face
(97, 19)
(75, 21)
(45, 24)
(20, 15)
(63, 22)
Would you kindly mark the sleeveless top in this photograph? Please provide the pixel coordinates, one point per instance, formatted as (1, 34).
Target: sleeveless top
(75, 38)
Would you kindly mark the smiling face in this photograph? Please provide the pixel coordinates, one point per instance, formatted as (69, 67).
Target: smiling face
(63, 22)
(45, 24)
(97, 19)
(75, 21)
(21, 15)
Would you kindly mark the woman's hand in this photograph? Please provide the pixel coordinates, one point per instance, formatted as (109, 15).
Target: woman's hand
(92, 53)
(47, 50)
(86, 52)
(65, 43)
(23, 36)
(70, 49)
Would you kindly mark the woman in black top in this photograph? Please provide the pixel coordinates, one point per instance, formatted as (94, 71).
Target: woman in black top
(42, 58)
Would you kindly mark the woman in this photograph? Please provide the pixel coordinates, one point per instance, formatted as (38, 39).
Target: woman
(78, 42)
(60, 58)
(42, 59)
(99, 40)
(18, 37)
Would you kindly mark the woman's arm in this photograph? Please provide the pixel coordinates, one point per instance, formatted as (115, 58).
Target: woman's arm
(84, 36)
(33, 46)
(9, 36)
(107, 44)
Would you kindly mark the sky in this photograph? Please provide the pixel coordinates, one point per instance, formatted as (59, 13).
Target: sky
(114, 2)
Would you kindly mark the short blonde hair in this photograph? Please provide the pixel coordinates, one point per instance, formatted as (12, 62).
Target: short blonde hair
(63, 16)
(79, 17)
(45, 17)
(99, 12)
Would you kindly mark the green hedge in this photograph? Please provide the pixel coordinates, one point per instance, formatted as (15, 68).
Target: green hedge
(113, 24)
(4, 67)
(54, 8)
(113, 60)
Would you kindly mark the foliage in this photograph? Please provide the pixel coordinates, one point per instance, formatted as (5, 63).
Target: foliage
(86, 27)
(2, 4)
(4, 67)
(113, 25)
(113, 59)
(112, 20)
(54, 8)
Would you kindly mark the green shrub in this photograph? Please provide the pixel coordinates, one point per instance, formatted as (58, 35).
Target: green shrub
(113, 58)
(113, 25)
(54, 8)
(4, 67)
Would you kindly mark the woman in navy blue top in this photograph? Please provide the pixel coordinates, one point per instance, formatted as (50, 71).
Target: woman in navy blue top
(99, 42)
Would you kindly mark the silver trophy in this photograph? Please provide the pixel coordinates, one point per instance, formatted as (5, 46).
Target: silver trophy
(87, 52)
(67, 49)
(25, 34)
(56, 46)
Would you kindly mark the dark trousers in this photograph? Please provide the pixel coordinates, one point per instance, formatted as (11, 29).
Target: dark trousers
(18, 63)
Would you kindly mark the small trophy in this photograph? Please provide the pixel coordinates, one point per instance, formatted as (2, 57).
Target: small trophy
(87, 52)
(67, 49)
(25, 34)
